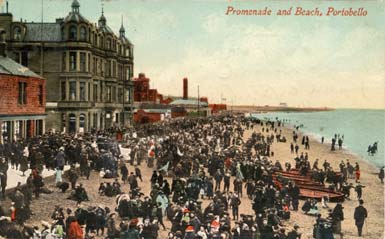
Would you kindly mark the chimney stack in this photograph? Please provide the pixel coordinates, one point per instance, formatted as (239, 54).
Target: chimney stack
(185, 88)
(2, 43)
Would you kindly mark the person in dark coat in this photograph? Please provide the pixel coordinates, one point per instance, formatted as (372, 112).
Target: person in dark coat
(124, 172)
(3, 176)
(337, 216)
(360, 214)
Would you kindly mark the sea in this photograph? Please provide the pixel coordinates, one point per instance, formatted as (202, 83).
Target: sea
(359, 128)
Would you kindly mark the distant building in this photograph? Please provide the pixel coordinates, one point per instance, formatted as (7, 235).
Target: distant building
(282, 104)
(22, 100)
(192, 105)
(86, 65)
(217, 108)
(142, 91)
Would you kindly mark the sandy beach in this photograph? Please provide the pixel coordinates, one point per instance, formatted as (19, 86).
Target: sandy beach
(372, 193)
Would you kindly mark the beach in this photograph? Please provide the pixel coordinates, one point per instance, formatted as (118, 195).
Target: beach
(372, 193)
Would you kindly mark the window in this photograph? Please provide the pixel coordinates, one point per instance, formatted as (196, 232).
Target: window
(82, 120)
(95, 120)
(64, 58)
(113, 89)
(19, 128)
(89, 62)
(128, 73)
(114, 69)
(101, 92)
(109, 95)
(94, 65)
(95, 93)
(73, 61)
(83, 34)
(127, 95)
(89, 91)
(108, 43)
(73, 90)
(63, 90)
(22, 99)
(108, 68)
(40, 94)
(82, 61)
(95, 40)
(116, 117)
(72, 33)
(17, 33)
(82, 90)
(120, 95)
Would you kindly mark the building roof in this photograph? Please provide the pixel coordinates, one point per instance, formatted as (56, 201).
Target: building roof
(159, 111)
(188, 102)
(51, 32)
(10, 67)
(75, 17)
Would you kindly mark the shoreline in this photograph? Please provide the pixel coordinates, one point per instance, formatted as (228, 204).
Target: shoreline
(317, 137)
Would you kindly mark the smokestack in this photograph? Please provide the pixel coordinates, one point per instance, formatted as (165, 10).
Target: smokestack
(185, 88)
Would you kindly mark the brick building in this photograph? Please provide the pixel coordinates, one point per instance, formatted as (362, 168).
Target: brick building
(22, 97)
(142, 91)
(87, 68)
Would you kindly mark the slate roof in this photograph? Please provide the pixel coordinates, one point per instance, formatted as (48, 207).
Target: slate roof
(159, 111)
(51, 32)
(11, 67)
(75, 17)
(188, 102)
(106, 29)
(125, 40)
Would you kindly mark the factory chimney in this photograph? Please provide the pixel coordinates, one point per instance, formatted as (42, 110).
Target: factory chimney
(185, 88)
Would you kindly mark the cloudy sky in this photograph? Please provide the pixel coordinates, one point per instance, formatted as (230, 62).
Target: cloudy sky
(255, 60)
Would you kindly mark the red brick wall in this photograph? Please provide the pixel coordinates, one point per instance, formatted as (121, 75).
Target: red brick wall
(215, 108)
(9, 93)
(141, 116)
(152, 93)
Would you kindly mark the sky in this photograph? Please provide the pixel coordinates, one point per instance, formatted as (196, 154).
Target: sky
(309, 61)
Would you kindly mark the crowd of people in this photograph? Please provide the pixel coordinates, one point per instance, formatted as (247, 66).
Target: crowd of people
(209, 163)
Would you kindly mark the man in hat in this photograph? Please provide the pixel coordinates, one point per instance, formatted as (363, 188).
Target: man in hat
(360, 214)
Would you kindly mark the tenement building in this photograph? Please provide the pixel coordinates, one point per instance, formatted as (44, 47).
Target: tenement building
(87, 67)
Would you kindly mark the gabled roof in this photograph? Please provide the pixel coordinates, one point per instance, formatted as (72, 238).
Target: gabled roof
(51, 32)
(11, 67)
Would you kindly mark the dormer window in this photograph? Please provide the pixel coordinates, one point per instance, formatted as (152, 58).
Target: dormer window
(17, 33)
(72, 33)
(83, 34)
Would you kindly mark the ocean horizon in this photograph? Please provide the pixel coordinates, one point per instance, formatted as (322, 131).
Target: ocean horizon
(359, 128)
